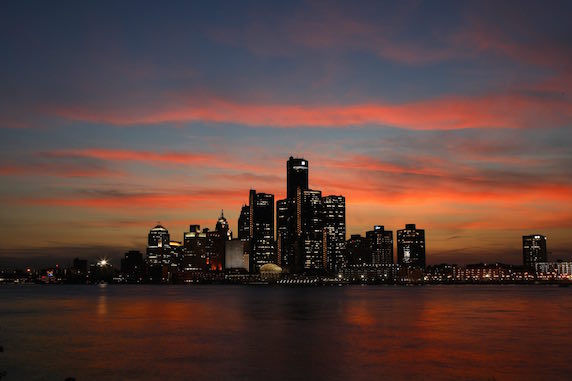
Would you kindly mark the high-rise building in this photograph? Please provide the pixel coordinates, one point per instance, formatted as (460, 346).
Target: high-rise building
(223, 227)
(261, 229)
(133, 266)
(311, 256)
(195, 242)
(533, 250)
(234, 254)
(357, 251)
(311, 230)
(286, 233)
(158, 236)
(334, 222)
(381, 245)
(204, 250)
(411, 247)
(244, 223)
(214, 249)
(296, 176)
(158, 254)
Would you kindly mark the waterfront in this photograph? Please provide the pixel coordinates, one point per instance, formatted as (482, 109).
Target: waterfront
(310, 333)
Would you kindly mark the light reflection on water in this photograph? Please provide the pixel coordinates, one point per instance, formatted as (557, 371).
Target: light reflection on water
(261, 333)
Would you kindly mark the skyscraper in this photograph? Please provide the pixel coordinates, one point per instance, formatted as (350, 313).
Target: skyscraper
(261, 229)
(411, 247)
(158, 236)
(296, 176)
(334, 222)
(311, 230)
(195, 256)
(158, 254)
(244, 223)
(533, 250)
(223, 227)
(286, 233)
(357, 251)
(311, 256)
(381, 245)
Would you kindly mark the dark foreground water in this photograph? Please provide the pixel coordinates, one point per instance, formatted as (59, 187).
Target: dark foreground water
(271, 333)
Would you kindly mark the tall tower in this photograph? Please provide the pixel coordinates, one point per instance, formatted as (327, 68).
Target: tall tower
(334, 220)
(310, 256)
(296, 176)
(411, 247)
(261, 229)
(244, 223)
(533, 250)
(223, 227)
(286, 233)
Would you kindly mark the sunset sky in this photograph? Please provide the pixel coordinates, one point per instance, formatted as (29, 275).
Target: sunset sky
(455, 116)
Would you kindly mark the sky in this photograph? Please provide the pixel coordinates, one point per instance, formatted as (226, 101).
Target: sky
(117, 115)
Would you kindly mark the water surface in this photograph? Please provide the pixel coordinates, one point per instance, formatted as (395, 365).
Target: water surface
(275, 333)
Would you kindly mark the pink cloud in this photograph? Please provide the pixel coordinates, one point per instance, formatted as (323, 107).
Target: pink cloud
(495, 111)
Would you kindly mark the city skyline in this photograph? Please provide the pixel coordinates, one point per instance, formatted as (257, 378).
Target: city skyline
(454, 116)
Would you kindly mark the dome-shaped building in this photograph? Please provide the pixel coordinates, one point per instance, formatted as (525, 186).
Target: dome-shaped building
(270, 271)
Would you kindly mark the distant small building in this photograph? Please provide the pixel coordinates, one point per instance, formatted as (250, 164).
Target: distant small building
(554, 270)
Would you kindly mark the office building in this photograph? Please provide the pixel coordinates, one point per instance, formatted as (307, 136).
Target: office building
(358, 251)
(223, 227)
(411, 247)
(133, 266)
(296, 176)
(261, 229)
(286, 233)
(311, 256)
(381, 245)
(334, 223)
(533, 250)
(234, 254)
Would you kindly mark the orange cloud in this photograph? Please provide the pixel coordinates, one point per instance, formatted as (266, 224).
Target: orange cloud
(497, 111)
(113, 200)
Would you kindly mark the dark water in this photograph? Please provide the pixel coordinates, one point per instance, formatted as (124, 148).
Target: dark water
(271, 333)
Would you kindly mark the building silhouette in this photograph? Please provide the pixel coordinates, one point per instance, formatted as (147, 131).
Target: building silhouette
(310, 254)
(380, 242)
(204, 250)
(358, 251)
(133, 266)
(158, 236)
(244, 223)
(286, 233)
(311, 229)
(261, 229)
(296, 176)
(411, 247)
(158, 254)
(533, 250)
(334, 221)
(223, 227)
